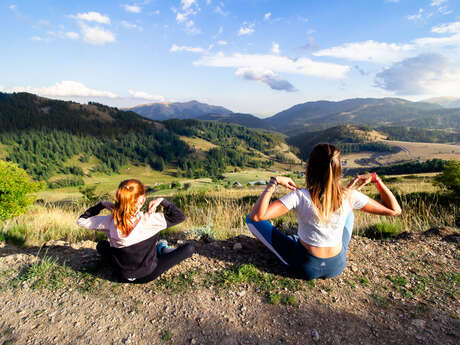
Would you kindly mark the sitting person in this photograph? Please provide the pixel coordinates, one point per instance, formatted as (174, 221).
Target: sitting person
(324, 211)
(133, 235)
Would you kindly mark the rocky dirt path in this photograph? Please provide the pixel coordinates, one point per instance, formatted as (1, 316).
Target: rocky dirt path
(403, 291)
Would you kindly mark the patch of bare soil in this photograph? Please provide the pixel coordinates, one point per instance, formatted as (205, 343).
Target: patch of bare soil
(402, 291)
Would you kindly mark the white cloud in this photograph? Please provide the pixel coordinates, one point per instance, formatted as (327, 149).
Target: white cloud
(246, 29)
(71, 35)
(132, 8)
(92, 17)
(129, 25)
(146, 96)
(267, 15)
(447, 28)
(96, 35)
(393, 1)
(416, 16)
(175, 48)
(378, 52)
(425, 74)
(12, 7)
(2, 88)
(437, 2)
(222, 43)
(267, 77)
(275, 48)
(66, 88)
(190, 8)
(36, 38)
(181, 17)
(437, 42)
(187, 3)
(220, 11)
(277, 64)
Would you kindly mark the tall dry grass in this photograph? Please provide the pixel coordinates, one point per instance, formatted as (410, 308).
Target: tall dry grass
(46, 222)
(221, 214)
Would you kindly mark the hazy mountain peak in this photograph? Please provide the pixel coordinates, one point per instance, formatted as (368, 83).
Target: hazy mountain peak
(446, 101)
(179, 110)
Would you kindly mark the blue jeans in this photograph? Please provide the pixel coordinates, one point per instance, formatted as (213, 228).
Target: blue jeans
(292, 253)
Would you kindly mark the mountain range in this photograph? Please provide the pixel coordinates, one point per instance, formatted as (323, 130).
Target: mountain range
(178, 110)
(446, 102)
(321, 114)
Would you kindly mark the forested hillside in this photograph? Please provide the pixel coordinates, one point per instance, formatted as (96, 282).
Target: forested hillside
(41, 135)
(347, 137)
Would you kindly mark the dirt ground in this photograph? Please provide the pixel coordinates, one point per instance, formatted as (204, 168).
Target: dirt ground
(402, 291)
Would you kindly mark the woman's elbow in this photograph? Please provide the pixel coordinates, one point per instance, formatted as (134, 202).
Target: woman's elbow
(396, 213)
(255, 217)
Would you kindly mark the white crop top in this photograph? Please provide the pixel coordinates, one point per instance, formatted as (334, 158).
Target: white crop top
(310, 230)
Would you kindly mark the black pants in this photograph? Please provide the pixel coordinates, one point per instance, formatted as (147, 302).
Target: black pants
(165, 261)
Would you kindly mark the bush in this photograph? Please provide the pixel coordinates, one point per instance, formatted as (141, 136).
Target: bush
(15, 190)
(90, 196)
(449, 178)
(382, 230)
(176, 184)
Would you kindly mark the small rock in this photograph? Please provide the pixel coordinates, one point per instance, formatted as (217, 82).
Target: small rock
(192, 341)
(315, 335)
(241, 293)
(353, 268)
(418, 323)
(237, 246)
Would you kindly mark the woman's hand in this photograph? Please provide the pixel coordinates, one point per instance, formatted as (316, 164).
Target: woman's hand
(108, 205)
(361, 180)
(154, 204)
(286, 182)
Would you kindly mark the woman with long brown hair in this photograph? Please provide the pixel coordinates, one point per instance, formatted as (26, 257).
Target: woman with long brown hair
(132, 247)
(324, 210)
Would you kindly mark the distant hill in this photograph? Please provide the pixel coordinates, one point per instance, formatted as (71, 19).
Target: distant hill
(247, 120)
(446, 102)
(349, 138)
(177, 110)
(42, 135)
(368, 111)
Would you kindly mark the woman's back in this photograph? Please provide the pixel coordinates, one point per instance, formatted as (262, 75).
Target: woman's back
(311, 230)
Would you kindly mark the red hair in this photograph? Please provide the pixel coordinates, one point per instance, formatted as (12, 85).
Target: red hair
(126, 199)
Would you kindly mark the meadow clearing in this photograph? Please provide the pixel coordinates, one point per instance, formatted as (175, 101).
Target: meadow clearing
(217, 208)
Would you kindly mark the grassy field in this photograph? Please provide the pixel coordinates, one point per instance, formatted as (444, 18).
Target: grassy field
(217, 210)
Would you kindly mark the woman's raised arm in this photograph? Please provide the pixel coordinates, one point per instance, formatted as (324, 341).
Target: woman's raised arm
(389, 205)
(263, 209)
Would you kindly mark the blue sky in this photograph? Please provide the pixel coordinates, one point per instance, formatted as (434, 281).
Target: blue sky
(254, 56)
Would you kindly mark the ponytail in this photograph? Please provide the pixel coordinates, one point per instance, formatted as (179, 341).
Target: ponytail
(324, 170)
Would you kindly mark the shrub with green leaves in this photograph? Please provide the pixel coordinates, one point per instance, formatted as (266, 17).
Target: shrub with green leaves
(449, 178)
(382, 230)
(16, 190)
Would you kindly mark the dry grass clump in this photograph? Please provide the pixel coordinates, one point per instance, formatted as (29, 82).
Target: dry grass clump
(42, 223)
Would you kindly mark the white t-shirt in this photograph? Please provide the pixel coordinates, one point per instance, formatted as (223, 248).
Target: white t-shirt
(310, 230)
(149, 225)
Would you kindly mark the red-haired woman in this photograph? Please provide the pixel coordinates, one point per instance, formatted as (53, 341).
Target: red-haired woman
(324, 211)
(133, 235)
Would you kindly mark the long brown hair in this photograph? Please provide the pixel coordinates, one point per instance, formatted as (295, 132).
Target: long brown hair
(323, 174)
(126, 199)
